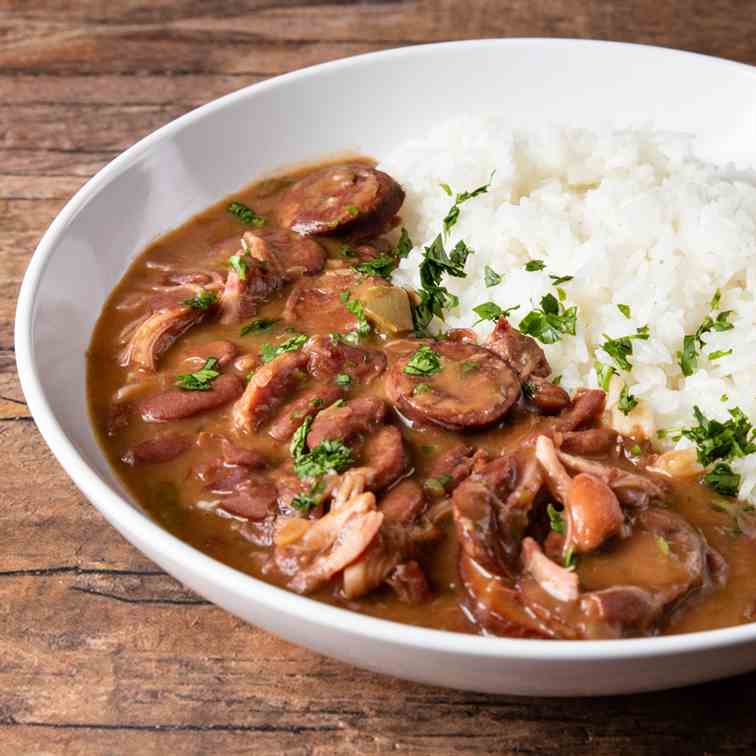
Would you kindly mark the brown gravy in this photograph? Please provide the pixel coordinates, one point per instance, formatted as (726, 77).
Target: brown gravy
(179, 502)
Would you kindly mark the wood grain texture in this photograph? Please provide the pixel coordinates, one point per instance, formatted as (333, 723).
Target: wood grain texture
(101, 652)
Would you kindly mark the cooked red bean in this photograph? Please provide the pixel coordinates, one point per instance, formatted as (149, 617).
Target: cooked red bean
(384, 454)
(519, 351)
(328, 357)
(176, 404)
(158, 449)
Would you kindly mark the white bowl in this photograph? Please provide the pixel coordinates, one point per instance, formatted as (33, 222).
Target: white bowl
(367, 103)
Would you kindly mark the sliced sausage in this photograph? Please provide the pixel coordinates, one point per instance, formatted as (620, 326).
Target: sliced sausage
(158, 449)
(315, 305)
(351, 198)
(341, 423)
(328, 357)
(473, 388)
(403, 503)
(294, 413)
(519, 351)
(384, 455)
(268, 388)
(176, 404)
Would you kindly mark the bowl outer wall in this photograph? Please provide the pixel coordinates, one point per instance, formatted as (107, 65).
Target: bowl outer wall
(214, 150)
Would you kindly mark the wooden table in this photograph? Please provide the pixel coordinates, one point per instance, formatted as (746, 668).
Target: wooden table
(100, 651)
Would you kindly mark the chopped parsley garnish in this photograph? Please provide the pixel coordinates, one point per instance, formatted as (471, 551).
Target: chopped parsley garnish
(343, 379)
(716, 440)
(636, 451)
(258, 326)
(269, 352)
(201, 379)
(604, 374)
(346, 251)
(724, 398)
(437, 486)
(422, 388)
(453, 215)
(624, 309)
(358, 310)
(723, 479)
(549, 323)
(446, 188)
(434, 298)
(620, 349)
(556, 521)
(491, 311)
(240, 265)
(559, 280)
(533, 265)
(721, 442)
(627, 401)
(692, 344)
(491, 277)
(384, 265)
(245, 214)
(469, 367)
(327, 457)
(202, 300)
(423, 362)
(569, 557)
(352, 210)
(663, 545)
(721, 353)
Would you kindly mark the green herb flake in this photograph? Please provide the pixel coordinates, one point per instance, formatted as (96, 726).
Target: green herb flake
(344, 379)
(201, 379)
(240, 265)
(549, 323)
(528, 390)
(570, 559)
(620, 349)
(357, 309)
(534, 265)
(423, 362)
(692, 344)
(604, 374)
(716, 440)
(717, 355)
(469, 367)
(346, 251)
(723, 479)
(627, 402)
(663, 545)
(422, 388)
(492, 311)
(352, 210)
(245, 214)
(258, 326)
(327, 457)
(202, 300)
(556, 521)
(490, 277)
(625, 310)
(636, 451)
(269, 352)
(724, 398)
(446, 189)
(559, 280)
(453, 215)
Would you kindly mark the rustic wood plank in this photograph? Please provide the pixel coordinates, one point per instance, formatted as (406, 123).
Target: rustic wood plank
(100, 651)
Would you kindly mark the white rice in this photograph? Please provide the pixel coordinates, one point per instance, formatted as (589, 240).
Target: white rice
(636, 219)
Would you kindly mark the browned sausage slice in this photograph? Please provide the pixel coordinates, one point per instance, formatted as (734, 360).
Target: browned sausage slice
(351, 198)
(384, 455)
(340, 423)
(176, 404)
(294, 413)
(328, 357)
(315, 305)
(471, 387)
